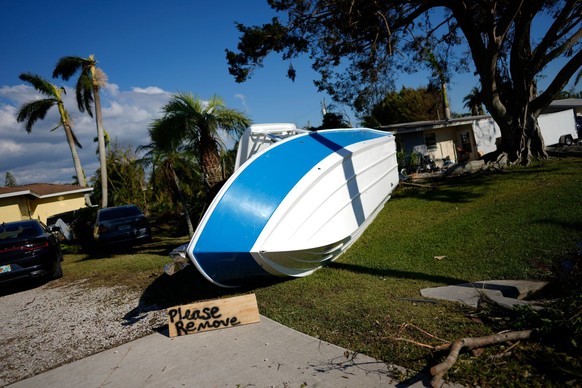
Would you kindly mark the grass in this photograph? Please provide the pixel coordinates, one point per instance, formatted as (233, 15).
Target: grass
(516, 224)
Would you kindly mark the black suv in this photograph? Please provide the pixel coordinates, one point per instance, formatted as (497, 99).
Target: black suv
(121, 225)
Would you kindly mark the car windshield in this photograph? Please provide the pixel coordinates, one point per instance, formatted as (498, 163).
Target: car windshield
(119, 212)
(16, 230)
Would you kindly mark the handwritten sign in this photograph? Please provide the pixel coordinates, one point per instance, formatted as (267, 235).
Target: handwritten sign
(213, 315)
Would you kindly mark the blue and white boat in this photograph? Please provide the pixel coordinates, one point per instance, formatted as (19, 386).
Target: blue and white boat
(297, 200)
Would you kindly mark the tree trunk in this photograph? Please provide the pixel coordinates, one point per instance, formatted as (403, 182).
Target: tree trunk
(211, 166)
(532, 141)
(101, 146)
(76, 161)
(445, 100)
(522, 140)
(184, 203)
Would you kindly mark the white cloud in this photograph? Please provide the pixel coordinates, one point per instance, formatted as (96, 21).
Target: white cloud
(148, 90)
(243, 101)
(11, 147)
(112, 89)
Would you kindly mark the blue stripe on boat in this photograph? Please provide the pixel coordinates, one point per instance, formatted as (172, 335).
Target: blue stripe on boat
(223, 247)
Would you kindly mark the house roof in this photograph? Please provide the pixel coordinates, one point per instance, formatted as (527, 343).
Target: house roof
(565, 104)
(555, 106)
(42, 190)
(433, 124)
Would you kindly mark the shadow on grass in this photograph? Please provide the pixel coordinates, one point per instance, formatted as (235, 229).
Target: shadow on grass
(461, 189)
(453, 190)
(575, 226)
(396, 273)
(155, 247)
(185, 287)
(444, 195)
(98, 253)
(189, 286)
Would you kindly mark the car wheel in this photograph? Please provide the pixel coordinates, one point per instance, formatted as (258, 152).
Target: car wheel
(58, 272)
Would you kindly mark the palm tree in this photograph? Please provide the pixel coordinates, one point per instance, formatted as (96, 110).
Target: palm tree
(473, 102)
(165, 154)
(91, 79)
(196, 122)
(35, 110)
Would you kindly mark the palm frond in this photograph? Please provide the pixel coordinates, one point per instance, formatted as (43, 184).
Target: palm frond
(232, 122)
(75, 139)
(57, 127)
(33, 111)
(168, 134)
(84, 93)
(66, 67)
(39, 83)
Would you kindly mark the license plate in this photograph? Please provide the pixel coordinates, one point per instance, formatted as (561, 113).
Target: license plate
(5, 268)
(124, 227)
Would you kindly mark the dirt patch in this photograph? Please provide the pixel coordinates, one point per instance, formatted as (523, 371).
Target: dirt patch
(57, 323)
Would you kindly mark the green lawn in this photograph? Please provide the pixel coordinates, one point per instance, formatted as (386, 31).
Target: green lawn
(517, 224)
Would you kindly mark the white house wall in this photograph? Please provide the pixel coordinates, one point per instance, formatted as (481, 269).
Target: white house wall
(486, 132)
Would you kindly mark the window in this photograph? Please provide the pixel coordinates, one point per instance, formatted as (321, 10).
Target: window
(430, 141)
(466, 142)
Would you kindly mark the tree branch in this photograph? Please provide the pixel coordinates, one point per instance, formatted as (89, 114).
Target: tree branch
(439, 370)
(541, 54)
(560, 80)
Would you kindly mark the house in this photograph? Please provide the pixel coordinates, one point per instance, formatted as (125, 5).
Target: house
(40, 201)
(459, 140)
(472, 137)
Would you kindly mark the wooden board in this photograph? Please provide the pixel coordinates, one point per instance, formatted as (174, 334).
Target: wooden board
(213, 315)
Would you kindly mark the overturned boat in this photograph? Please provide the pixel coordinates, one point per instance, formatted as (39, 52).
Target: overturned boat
(296, 201)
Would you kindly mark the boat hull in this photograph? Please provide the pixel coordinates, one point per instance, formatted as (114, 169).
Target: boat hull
(295, 206)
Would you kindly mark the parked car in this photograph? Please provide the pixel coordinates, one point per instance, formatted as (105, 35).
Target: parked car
(28, 249)
(121, 225)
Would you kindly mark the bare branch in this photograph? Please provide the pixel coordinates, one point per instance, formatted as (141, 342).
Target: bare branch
(439, 370)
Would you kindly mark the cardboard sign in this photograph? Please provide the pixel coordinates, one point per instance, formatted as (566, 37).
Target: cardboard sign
(213, 315)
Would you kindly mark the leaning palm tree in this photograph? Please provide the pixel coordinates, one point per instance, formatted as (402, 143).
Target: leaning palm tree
(165, 154)
(91, 79)
(197, 122)
(37, 109)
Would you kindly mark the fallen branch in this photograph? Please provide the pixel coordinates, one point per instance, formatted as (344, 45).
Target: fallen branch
(438, 371)
(422, 186)
(403, 327)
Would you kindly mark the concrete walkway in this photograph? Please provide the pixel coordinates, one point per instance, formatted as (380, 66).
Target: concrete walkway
(264, 354)
(507, 293)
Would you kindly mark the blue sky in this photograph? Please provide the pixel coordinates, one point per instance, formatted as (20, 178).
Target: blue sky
(149, 50)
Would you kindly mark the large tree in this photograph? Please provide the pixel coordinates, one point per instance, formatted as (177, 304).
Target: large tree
(197, 122)
(32, 111)
(90, 81)
(408, 105)
(352, 45)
